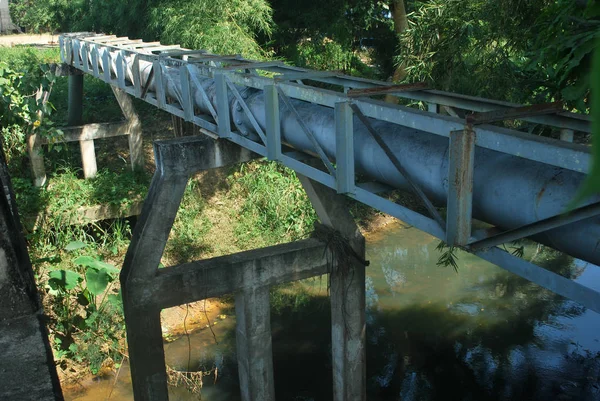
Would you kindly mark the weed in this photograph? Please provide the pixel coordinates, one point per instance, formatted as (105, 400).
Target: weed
(448, 256)
(275, 207)
(186, 242)
(87, 309)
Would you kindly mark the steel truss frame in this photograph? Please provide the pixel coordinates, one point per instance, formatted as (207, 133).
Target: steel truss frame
(105, 57)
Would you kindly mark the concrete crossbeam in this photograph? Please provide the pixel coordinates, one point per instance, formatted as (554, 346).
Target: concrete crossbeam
(92, 131)
(227, 274)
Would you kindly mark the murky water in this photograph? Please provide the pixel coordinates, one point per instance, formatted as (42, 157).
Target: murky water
(481, 334)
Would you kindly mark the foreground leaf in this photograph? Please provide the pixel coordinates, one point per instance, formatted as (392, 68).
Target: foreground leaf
(94, 263)
(75, 245)
(64, 279)
(97, 280)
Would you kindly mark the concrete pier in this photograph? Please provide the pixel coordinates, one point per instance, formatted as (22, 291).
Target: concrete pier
(347, 292)
(249, 275)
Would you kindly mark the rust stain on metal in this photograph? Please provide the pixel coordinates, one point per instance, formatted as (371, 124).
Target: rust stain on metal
(382, 90)
(515, 113)
(539, 196)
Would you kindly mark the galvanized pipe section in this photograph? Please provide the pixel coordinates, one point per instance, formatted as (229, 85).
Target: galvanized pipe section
(508, 192)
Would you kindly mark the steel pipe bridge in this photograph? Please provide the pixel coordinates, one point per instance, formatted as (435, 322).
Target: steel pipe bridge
(336, 132)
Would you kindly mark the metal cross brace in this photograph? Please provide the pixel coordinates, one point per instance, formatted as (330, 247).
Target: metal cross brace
(308, 132)
(244, 106)
(200, 88)
(432, 210)
(537, 227)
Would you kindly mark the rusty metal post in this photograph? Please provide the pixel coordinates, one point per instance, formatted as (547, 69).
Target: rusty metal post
(460, 186)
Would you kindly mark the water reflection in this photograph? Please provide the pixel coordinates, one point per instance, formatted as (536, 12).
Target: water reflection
(432, 334)
(483, 334)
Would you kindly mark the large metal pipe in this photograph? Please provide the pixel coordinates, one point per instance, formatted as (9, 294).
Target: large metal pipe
(509, 191)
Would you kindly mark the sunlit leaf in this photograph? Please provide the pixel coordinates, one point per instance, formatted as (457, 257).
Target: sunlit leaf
(89, 261)
(65, 279)
(75, 245)
(97, 280)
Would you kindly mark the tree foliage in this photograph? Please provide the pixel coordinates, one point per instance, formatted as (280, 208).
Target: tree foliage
(228, 26)
(526, 52)
(220, 26)
(327, 35)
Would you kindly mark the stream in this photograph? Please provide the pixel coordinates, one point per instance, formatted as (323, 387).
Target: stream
(432, 334)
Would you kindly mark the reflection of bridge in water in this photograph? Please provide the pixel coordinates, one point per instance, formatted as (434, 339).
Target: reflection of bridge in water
(519, 183)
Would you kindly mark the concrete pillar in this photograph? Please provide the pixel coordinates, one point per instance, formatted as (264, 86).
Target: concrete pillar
(176, 160)
(34, 146)
(88, 158)
(144, 334)
(253, 344)
(347, 293)
(75, 100)
(136, 146)
(36, 158)
(75, 118)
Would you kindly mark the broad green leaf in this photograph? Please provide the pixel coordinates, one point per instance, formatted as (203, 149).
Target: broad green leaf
(97, 280)
(89, 261)
(66, 279)
(592, 183)
(75, 245)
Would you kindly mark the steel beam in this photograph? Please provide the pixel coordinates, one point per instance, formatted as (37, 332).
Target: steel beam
(344, 142)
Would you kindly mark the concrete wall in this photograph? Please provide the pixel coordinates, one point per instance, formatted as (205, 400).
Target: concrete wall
(27, 370)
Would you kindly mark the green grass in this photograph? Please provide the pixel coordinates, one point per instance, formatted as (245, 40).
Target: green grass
(275, 208)
(188, 237)
(26, 58)
(66, 191)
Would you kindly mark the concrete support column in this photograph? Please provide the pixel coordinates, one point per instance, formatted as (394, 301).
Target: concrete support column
(36, 158)
(75, 118)
(136, 149)
(253, 344)
(146, 352)
(75, 100)
(348, 327)
(88, 158)
(144, 334)
(176, 160)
